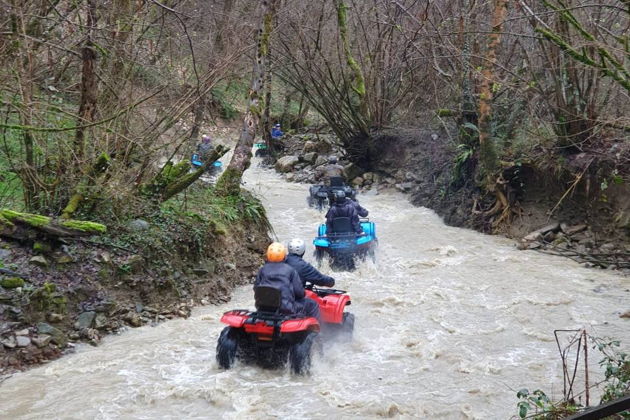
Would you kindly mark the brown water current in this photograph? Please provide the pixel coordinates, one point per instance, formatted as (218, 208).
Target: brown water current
(450, 323)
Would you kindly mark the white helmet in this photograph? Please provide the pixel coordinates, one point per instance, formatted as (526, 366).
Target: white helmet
(297, 247)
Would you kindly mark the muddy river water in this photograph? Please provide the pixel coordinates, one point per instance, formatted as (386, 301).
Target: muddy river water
(450, 323)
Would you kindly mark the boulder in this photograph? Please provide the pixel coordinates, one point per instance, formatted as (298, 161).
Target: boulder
(58, 337)
(22, 341)
(404, 187)
(8, 342)
(85, 320)
(139, 225)
(321, 160)
(625, 315)
(352, 171)
(310, 157)
(368, 176)
(4, 254)
(41, 340)
(290, 177)
(572, 230)
(39, 261)
(309, 147)
(286, 163)
(358, 181)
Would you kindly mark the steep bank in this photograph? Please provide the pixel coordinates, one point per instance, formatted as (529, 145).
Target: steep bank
(146, 269)
(580, 202)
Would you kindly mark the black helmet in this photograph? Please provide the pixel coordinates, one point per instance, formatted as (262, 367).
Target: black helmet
(340, 196)
(332, 159)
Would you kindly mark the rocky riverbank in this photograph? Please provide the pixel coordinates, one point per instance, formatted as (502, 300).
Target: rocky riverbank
(56, 292)
(581, 210)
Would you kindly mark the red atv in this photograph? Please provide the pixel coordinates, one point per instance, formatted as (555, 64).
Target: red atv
(268, 338)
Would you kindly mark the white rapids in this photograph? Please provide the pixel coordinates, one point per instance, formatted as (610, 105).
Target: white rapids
(449, 324)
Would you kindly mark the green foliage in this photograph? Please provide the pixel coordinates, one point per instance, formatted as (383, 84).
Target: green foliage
(616, 365)
(538, 406)
(226, 98)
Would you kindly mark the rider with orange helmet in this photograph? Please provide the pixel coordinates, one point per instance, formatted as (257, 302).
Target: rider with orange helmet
(278, 274)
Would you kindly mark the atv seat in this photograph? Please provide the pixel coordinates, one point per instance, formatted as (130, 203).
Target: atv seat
(342, 225)
(267, 299)
(337, 181)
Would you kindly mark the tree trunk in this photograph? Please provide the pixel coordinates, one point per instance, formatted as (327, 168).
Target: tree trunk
(87, 105)
(487, 152)
(230, 181)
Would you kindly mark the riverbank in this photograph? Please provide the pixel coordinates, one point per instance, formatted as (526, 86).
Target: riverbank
(146, 269)
(577, 206)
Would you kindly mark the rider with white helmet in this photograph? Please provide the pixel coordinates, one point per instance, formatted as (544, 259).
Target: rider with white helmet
(307, 272)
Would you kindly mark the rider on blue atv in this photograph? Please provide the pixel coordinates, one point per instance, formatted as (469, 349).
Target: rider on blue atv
(343, 208)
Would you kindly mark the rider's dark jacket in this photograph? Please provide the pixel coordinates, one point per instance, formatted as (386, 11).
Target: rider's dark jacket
(309, 273)
(283, 277)
(361, 211)
(344, 209)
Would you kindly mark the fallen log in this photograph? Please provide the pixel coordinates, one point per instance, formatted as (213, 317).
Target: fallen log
(17, 225)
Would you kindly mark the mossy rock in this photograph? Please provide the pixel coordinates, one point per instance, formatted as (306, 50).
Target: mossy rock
(42, 248)
(12, 282)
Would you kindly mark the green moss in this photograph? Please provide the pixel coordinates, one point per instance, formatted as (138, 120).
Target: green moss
(12, 282)
(84, 226)
(444, 112)
(35, 220)
(46, 298)
(41, 248)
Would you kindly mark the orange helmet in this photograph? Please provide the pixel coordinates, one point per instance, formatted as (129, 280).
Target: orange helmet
(276, 252)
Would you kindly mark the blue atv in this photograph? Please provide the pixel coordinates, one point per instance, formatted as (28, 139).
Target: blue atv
(344, 246)
(197, 163)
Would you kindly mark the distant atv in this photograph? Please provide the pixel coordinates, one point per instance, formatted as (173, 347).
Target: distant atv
(320, 196)
(343, 246)
(214, 169)
(269, 339)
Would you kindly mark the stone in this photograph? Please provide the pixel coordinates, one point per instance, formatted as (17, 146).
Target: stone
(625, 315)
(58, 337)
(607, 247)
(310, 157)
(24, 331)
(321, 160)
(357, 182)
(201, 271)
(8, 342)
(4, 254)
(41, 340)
(572, 230)
(139, 225)
(290, 177)
(136, 263)
(286, 163)
(39, 261)
(100, 321)
(54, 317)
(23, 341)
(410, 176)
(390, 180)
(64, 259)
(368, 176)
(7, 326)
(404, 187)
(85, 320)
(352, 171)
(309, 147)
(133, 319)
